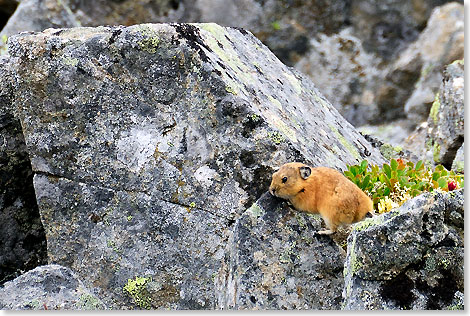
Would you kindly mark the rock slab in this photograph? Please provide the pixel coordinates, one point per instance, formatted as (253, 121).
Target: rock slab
(148, 142)
(409, 258)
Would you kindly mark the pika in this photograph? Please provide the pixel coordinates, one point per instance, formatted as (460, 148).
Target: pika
(321, 190)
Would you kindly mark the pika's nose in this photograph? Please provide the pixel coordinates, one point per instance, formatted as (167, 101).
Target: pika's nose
(272, 191)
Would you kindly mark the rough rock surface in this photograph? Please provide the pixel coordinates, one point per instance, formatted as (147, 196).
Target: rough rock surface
(48, 287)
(22, 237)
(414, 78)
(275, 260)
(409, 258)
(343, 72)
(38, 15)
(387, 27)
(445, 132)
(149, 141)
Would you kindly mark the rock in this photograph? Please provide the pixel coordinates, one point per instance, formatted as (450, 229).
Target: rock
(342, 71)
(275, 260)
(459, 161)
(48, 287)
(414, 78)
(23, 241)
(388, 27)
(445, 133)
(38, 15)
(409, 258)
(148, 142)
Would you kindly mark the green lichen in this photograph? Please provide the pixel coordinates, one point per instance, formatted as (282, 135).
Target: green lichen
(389, 152)
(231, 90)
(458, 62)
(434, 112)
(89, 302)
(255, 210)
(192, 205)
(136, 289)
(349, 147)
(276, 137)
(69, 61)
(219, 44)
(129, 218)
(436, 152)
(255, 118)
(286, 256)
(33, 304)
(374, 220)
(150, 41)
(276, 25)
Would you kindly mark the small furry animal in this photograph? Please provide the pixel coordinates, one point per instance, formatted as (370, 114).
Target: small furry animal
(321, 190)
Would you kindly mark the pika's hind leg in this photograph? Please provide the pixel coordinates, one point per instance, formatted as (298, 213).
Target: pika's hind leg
(331, 228)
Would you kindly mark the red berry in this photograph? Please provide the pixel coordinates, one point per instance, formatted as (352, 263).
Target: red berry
(451, 185)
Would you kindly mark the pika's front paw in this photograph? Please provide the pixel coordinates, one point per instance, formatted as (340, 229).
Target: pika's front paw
(325, 232)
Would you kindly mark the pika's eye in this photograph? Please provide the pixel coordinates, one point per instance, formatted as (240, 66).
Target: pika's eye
(284, 180)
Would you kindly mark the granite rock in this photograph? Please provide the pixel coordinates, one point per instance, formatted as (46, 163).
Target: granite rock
(409, 258)
(49, 287)
(148, 142)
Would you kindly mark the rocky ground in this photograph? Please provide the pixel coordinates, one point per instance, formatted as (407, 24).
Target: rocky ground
(135, 160)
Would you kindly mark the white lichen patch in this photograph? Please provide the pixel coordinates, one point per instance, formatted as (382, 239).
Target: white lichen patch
(136, 148)
(205, 175)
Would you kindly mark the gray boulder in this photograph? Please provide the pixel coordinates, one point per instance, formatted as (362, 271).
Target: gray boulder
(387, 27)
(48, 287)
(148, 142)
(445, 132)
(343, 71)
(275, 260)
(22, 237)
(414, 78)
(409, 258)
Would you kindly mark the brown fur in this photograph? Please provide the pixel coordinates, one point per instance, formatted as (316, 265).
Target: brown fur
(326, 191)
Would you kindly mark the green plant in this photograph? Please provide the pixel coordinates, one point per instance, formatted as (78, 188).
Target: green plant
(398, 181)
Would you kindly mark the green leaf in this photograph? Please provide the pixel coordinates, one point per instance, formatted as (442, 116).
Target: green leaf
(387, 192)
(436, 175)
(363, 166)
(387, 170)
(349, 175)
(442, 182)
(393, 164)
(365, 182)
(419, 165)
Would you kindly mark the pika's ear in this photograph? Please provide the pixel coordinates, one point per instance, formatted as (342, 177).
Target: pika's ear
(305, 172)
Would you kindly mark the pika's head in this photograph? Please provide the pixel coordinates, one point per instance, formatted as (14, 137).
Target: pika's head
(289, 180)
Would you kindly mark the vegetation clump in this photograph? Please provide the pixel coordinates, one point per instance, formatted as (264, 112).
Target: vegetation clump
(400, 180)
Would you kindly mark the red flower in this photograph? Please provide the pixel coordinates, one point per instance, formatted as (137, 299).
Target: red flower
(451, 185)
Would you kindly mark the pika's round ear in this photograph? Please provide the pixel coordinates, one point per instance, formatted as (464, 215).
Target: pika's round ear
(305, 172)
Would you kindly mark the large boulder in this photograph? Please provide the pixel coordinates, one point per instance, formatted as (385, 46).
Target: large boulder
(275, 260)
(48, 287)
(414, 78)
(409, 258)
(445, 132)
(387, 27)
(22, 237)
(148, 142)
(343, 71)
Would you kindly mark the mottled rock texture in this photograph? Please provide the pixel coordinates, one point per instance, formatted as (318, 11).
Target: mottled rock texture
(22, 238)
(275, 260)
(343, 71)
(445, 132)
(149, 141)
(409, 258)
(414, 78)
(49, 287)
